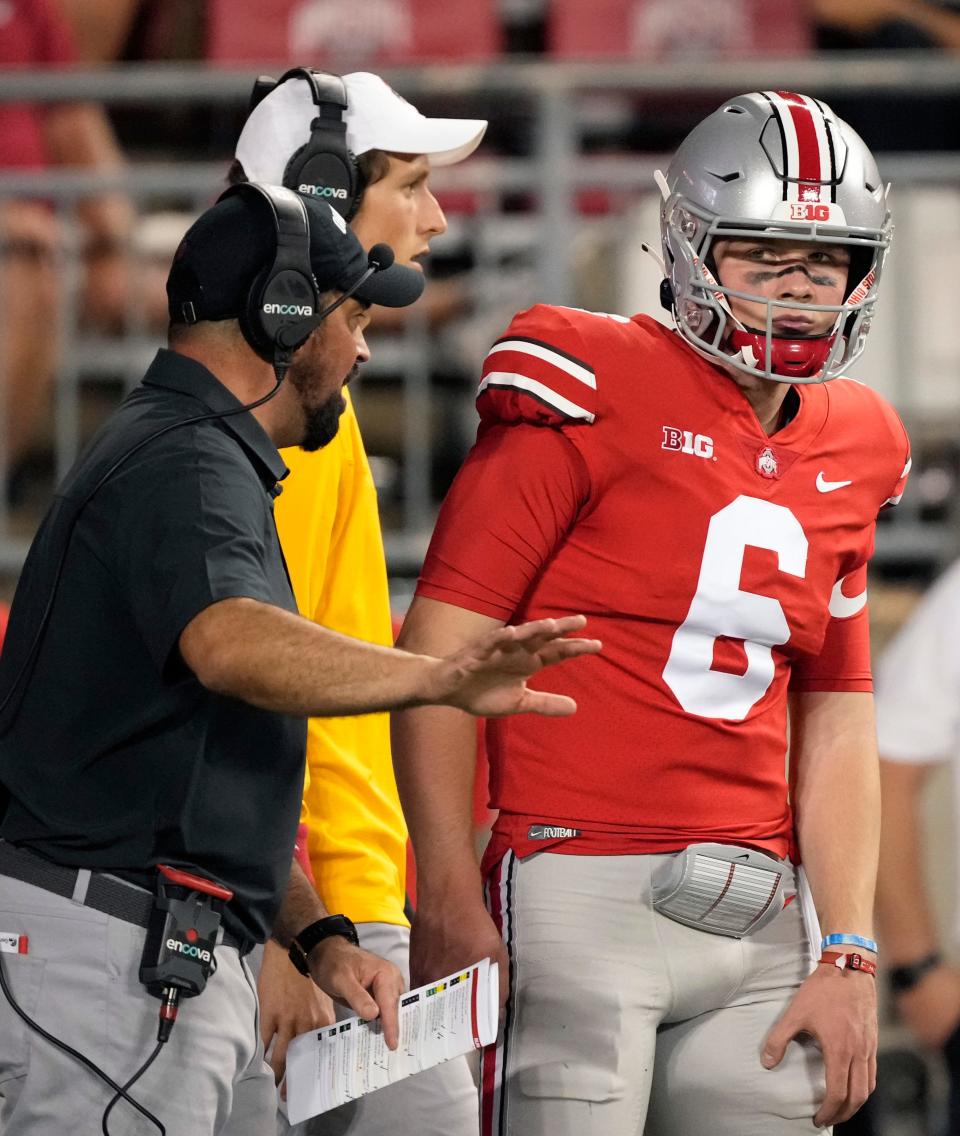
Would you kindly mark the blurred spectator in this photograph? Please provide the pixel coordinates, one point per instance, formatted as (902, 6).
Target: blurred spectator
(100, 28)
(678, 29)
(918, 725)
(880, 24)
(910, 120)
(33, 33)
(108, 30)
(352, 34)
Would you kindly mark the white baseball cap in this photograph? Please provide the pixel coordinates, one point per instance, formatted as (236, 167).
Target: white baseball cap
(377, 118)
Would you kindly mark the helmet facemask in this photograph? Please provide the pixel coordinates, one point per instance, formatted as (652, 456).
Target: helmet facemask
(690, 229)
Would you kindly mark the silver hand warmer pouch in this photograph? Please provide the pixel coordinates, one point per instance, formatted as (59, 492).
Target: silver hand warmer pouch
(720, 888)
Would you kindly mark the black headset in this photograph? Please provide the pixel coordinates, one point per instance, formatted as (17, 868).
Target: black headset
(323, 167)
(285, 293)
(282, 306)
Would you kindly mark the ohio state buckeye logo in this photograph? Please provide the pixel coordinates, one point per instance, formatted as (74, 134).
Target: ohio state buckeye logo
(767, 464)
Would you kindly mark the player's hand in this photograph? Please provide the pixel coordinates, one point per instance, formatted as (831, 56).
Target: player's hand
(368, 984)
(452, 936)
(488, 677)
(290, 1004)
(838, 1009)
(931, 1010)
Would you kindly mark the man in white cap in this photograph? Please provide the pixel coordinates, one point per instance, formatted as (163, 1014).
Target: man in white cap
(354, 142)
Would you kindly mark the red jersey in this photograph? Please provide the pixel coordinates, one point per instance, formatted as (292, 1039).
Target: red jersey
(619, 474)
(32, 33)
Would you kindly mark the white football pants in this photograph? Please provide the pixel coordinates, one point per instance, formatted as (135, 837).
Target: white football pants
(622, 1022)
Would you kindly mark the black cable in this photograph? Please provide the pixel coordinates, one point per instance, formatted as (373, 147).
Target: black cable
(123, 1092)
(280, 370)
(120, 1091)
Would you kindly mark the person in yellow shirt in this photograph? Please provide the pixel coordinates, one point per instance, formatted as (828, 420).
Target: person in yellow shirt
(375, 173)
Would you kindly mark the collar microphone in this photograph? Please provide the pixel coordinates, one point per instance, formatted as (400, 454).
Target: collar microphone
(289, 338)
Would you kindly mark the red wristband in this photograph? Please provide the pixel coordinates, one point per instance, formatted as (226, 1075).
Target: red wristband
(848, 962)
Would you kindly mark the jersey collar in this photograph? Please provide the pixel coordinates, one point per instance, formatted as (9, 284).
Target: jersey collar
(172, 371)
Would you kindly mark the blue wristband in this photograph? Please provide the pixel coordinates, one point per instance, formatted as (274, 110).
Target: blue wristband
(848, 940)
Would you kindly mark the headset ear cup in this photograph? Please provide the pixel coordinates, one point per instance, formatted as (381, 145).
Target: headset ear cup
(323, 169)
(251, 318)
(290, 297)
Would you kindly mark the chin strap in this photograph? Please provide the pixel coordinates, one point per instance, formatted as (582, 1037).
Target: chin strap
(801, 358)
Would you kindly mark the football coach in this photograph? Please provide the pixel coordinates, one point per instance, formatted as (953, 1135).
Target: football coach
(154, 687)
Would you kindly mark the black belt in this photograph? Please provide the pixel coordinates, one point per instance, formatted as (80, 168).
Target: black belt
(104, 893)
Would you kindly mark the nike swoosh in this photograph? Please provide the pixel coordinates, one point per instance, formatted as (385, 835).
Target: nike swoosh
(841, 606)
(828, 486)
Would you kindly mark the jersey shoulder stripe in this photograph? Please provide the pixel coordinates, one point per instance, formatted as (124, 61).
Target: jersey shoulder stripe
(529, 379)
(507, 380)
(550, 354)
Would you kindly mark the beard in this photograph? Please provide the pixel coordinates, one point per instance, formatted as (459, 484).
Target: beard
(322, 422)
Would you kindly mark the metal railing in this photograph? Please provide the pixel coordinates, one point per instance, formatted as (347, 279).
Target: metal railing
(551, 176)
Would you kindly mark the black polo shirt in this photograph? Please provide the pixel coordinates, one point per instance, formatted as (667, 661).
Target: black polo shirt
(117, 758)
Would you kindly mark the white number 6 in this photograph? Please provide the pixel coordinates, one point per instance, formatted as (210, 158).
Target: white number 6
(719, 607)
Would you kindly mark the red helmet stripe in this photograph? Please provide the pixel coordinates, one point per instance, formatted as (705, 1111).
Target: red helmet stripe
(808, 158)
(810, 163)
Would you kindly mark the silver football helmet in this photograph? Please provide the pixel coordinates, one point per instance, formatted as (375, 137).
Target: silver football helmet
(777, 165)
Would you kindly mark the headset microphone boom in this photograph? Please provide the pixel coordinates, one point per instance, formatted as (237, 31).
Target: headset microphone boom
(379, 258)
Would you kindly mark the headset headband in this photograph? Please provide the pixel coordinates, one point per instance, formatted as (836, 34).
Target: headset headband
(322, 167)
(329, 91)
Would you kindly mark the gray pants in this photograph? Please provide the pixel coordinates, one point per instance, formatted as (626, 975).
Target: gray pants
(79, 981)
(439, 1102)
(622, 1022)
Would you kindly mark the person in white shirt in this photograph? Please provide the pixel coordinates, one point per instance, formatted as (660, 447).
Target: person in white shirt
(918, 727)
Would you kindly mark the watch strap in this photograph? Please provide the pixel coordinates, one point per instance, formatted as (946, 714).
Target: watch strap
(304, 941)
(904, 978)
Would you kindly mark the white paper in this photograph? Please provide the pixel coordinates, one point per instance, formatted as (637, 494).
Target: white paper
(328, 1067)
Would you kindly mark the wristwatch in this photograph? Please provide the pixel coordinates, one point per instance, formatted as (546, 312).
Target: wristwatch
(904, 978)
(304, 942)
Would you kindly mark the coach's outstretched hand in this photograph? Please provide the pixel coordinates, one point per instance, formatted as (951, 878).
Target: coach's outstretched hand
(488, 677)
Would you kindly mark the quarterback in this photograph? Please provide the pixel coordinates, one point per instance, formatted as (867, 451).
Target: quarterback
(708, 496)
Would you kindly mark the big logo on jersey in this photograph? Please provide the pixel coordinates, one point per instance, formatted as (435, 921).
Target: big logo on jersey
(686, 442)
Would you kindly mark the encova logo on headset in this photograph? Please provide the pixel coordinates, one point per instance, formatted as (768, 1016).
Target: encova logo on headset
(288, 309)
(322, 191)
(181, 948)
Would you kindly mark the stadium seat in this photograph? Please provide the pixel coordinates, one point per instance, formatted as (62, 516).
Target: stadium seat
(677, 29)
(350, 35)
